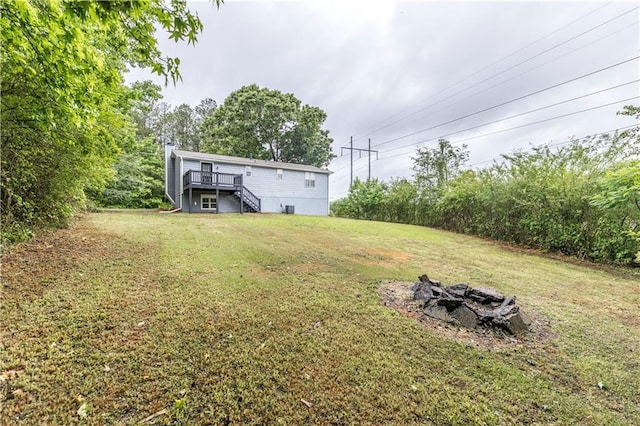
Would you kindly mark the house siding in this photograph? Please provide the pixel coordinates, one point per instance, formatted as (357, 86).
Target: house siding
(227, 202)
(274, 193)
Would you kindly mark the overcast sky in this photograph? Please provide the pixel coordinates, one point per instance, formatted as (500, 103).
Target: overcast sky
(384, 70)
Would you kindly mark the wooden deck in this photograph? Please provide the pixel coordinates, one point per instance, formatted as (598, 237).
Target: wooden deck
(211, 180)
(194, 179)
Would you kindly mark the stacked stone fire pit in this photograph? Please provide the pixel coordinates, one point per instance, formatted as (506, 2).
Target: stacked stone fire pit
(470, 307)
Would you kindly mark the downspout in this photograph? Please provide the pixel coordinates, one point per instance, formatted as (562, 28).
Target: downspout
(181, 184)
(328, 202)
(167, 158)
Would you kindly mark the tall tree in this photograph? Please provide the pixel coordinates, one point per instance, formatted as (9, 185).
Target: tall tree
(268, 124)
(63, 99)
(145, 96)
(434, 167)
(182, 127)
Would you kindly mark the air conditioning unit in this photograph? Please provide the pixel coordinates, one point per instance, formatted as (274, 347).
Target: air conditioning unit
(289, 209)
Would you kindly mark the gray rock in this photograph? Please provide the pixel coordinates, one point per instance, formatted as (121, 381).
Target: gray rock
(504, 311)
(449, 301)
(484, 295)
(485, 316)
(423, 292)
(470, 307)
(514, 324)
(509, 301)
(465, 316)
(457, 289)
(437, 312)
(437, 291)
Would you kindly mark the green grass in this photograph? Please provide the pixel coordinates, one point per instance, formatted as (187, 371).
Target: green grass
(234, 319)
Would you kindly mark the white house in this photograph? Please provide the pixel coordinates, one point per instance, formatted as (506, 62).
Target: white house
(199, 182)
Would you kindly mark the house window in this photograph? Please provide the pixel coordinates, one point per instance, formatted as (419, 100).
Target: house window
(309, 180)
(279, 174)
(247, 170)
(208, 202)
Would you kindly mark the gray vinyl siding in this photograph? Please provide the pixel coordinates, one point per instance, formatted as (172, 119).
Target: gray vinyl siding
(274, 194)
(291, 190)
(227, 202)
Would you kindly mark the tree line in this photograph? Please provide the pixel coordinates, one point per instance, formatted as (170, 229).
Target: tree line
(75, 135)
(251, 122)
(65, 110)
(580, 199)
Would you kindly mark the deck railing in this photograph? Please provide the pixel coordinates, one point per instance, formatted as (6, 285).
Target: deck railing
(199, 178)
(251, 199)
(194, 179)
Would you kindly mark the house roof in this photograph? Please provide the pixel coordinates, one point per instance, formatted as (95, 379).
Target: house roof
(227, 159)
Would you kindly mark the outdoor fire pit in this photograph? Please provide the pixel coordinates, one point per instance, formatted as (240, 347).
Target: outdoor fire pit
(470, 307)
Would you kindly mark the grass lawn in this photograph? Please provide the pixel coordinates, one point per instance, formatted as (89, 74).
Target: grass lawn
(230, 319)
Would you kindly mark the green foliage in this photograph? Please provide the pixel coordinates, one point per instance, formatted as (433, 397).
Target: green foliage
(138, 180)
(582, 199)
(64, 109)
(366, 200)
(435, 167)
(543, 199)
(144, 98)
(270, 125)
(620, 196)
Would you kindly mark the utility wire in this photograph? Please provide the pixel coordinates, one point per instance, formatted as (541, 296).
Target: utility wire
(551, 145)
(513, 116)
(516, 127)
(528, 112)
(508, 102)
(465, 99)
(511, 67)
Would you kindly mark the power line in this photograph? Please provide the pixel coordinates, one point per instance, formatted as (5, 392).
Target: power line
(530, 111)
(465, 99)
(509, 101)
(511, 67)
(515, 115)
(540, 145)
(518, 127)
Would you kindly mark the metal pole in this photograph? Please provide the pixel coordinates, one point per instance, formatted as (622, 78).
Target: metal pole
(351, 146)
(369, 159)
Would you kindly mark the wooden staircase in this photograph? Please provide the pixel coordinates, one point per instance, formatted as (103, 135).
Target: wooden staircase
(249, 199)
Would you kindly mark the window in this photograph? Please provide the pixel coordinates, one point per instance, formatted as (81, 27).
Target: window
(279, 174)
(247, 170)
(309, 180)
(208, 202)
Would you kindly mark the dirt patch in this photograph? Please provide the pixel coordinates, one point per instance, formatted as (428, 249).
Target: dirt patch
(389, 256)
(397, 295)
(29, 269)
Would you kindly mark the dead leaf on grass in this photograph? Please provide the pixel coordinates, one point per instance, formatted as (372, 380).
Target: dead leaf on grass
(10, 373)
(83, 411)
(153, 416)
